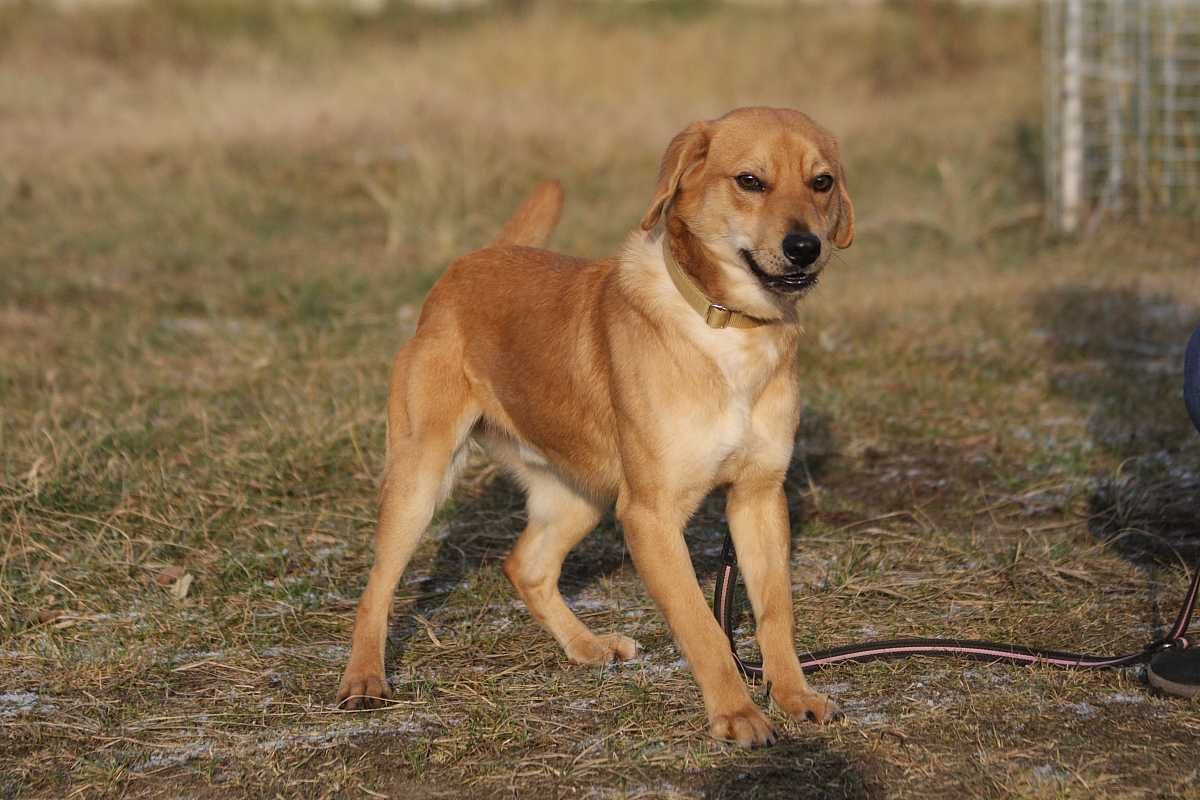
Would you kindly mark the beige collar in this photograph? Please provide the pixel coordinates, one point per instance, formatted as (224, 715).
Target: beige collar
(713, 314)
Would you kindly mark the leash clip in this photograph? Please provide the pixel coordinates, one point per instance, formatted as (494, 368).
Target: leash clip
(728, 554)
(1162, 645)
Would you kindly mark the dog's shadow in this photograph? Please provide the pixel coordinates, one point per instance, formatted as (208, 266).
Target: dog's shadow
(477, 531)
(793, 769)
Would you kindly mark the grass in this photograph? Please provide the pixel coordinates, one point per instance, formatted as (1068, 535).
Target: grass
(218, 221)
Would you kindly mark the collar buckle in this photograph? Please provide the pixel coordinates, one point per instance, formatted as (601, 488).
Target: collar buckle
(717, 316)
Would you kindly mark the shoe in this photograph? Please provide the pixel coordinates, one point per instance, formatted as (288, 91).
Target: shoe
(1176, 672)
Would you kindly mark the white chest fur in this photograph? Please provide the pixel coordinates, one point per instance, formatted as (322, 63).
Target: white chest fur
(734, 423)
(747, 362)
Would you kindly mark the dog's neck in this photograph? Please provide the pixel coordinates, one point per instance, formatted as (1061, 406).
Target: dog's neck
(691, 284)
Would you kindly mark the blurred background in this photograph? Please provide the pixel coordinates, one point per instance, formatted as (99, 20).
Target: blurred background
(218, 220)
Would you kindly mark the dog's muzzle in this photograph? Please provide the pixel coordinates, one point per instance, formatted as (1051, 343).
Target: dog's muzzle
(788, 282)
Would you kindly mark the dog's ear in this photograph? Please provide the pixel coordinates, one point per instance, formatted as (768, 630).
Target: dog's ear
(843, 232)
(685, 152)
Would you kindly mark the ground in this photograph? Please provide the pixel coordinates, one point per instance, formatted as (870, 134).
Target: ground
(217, 222)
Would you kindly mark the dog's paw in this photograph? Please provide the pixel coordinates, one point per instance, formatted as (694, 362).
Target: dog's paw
(598, 650)
(808, 707)
(362, 689)
(748, 726)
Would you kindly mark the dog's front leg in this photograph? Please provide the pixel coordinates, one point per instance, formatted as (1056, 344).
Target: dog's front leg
(758, 519)
(654, 533)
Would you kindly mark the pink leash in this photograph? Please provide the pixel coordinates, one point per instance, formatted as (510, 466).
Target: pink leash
(962, 648)
(1171, 655)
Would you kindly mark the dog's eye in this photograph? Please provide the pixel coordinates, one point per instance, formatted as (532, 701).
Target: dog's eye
(749, 182)
(822, 183)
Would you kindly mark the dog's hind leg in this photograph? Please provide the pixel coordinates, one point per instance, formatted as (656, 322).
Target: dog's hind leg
(430, 415)
(559, 517)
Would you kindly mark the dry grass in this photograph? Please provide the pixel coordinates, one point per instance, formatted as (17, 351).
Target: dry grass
(217, 222)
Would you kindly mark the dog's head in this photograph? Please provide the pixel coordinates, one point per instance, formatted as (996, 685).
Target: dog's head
(762, 191)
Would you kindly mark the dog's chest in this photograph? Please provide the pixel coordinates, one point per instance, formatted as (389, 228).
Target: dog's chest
(746, 367)
(746, 364)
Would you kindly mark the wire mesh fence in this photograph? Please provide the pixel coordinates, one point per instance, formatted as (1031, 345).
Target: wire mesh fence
(1122, 109)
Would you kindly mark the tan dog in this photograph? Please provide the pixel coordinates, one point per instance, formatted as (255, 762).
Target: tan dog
(650, 378)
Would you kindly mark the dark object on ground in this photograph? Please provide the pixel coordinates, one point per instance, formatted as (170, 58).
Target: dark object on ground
(1191, 378)
(1176, 672)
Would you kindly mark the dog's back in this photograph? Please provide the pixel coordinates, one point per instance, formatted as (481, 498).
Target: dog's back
(528, 328)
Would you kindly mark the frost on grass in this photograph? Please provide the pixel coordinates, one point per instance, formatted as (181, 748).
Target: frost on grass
(660, 663)
(989, 676)
(16, 704)
(589, 603)
(656, 789)
(1050, 772)
(1125, 698)
(320, 739)
(175, 758)
(1082, 710)
(858, 710)
(324, 739)
(332, 653)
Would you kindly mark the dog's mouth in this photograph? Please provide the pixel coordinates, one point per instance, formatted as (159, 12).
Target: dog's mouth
(787, 283)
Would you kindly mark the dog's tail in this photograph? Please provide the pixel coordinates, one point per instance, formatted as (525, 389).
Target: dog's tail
(536, 219)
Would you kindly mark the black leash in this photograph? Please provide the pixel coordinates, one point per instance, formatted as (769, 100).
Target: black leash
(961, 648)
(1174, 667)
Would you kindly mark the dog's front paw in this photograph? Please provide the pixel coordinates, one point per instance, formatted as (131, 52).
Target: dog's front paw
(361, 688)
(808, 706)
(599, 650)
(748, 726)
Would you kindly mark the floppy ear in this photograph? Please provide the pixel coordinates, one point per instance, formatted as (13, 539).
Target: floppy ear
(685, 152)
(843, 232)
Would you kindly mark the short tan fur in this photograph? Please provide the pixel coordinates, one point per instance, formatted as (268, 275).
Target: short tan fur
(594, 382)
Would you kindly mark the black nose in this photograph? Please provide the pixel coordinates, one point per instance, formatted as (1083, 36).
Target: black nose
(801, 249)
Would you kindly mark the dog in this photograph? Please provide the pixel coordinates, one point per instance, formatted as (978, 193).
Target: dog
(648, 379)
